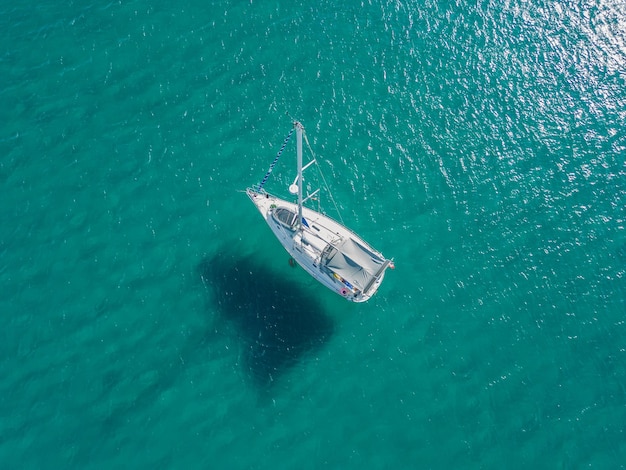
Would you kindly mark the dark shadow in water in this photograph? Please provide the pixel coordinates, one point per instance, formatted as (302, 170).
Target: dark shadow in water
(277, 320)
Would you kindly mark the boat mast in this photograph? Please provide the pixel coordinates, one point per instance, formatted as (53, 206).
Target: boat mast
(299, 129)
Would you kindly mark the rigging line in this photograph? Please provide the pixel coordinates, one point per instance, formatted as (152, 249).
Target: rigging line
(269, 172)
(319, 170)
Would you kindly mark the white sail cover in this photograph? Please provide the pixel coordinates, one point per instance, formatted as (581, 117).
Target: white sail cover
(355, 263)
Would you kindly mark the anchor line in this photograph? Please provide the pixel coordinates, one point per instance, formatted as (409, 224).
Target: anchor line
(269, 172)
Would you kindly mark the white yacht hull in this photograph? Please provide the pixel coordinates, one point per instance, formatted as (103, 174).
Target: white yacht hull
(324, 248)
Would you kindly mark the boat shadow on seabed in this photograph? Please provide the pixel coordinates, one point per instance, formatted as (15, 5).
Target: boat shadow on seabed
(277, 320)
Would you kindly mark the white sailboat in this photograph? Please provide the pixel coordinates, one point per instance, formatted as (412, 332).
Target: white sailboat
(331, 253)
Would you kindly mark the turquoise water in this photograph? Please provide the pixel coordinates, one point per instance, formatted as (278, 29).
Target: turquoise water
(150, 320)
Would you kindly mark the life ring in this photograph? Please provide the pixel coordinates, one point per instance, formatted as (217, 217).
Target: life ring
(343, 291)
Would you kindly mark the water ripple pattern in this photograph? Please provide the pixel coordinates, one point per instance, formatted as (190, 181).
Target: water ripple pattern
(152, 321)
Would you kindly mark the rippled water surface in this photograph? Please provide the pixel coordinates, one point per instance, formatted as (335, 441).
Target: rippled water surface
(152, 321)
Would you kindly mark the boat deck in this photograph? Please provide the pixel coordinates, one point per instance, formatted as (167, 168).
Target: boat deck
(324, 247)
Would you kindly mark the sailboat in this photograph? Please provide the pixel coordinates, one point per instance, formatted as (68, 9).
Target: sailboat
(326, 249)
